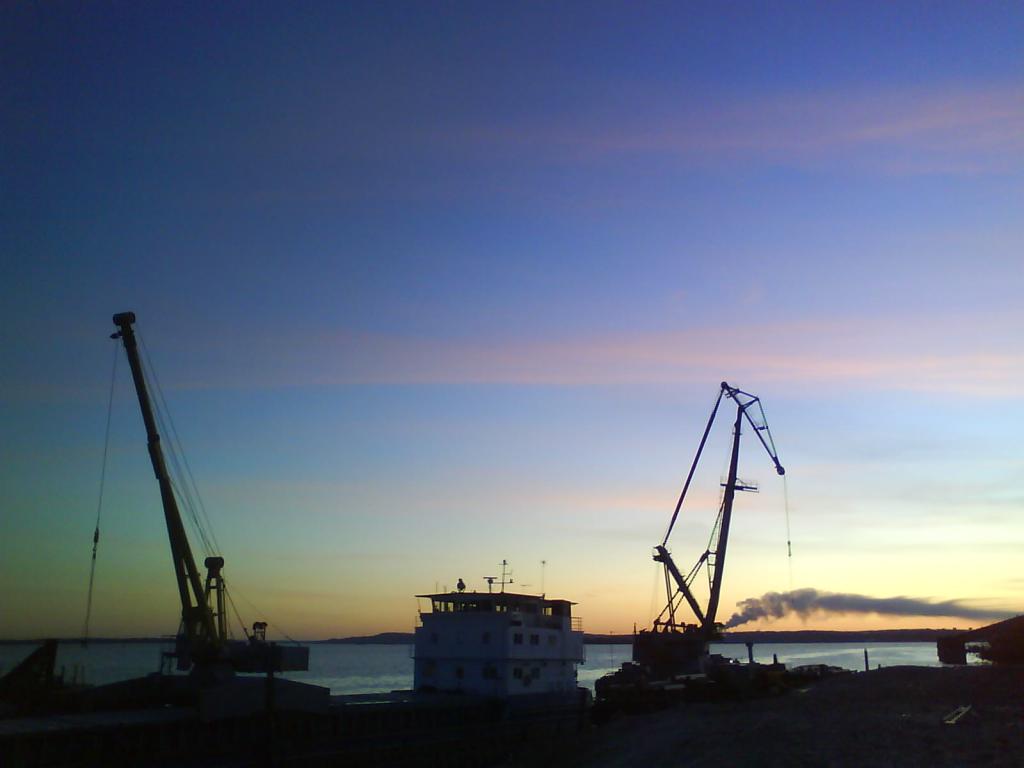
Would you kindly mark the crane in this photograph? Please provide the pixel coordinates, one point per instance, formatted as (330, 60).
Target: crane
(672, 646)
(203, 644)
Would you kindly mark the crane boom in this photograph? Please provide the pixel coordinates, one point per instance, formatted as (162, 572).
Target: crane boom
(693, 467)
(196, 616)
(759, 429)
(661, 555)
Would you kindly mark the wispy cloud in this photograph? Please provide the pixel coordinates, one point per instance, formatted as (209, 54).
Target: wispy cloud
(958, 128)
(970, 355)
(919, 354)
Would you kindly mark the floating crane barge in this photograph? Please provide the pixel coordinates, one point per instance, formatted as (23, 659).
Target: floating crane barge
(672, 657)
(202, 644)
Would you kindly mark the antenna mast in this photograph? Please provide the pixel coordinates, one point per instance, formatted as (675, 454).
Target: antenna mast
(506, 575)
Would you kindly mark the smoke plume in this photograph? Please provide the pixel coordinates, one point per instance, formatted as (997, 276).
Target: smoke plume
(804, 602)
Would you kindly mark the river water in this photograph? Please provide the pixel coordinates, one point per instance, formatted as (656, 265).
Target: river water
(375, 668)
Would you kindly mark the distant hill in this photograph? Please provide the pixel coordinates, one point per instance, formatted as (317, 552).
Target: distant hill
(384, 638)
(832, 636)
(92, 640)
(797, 636)
(812, 636)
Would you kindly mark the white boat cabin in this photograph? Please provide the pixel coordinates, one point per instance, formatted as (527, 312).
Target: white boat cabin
(499, 644)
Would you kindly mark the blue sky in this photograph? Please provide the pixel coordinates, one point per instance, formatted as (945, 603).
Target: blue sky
(433, 285)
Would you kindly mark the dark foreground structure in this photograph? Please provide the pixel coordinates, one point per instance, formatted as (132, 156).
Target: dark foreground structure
(373, 730)
(897, 716)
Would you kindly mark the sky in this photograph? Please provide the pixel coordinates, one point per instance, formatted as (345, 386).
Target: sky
(427, 286)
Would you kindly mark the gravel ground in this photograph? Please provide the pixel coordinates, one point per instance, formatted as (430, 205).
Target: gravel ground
(886, 717)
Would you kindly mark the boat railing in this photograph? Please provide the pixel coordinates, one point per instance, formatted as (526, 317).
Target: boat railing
(577, 623)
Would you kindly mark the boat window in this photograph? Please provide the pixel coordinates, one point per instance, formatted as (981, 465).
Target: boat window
(475, 607)
(552, 639)
(517, 638)
(534, 639)
(428, 669)
(547, 610)
(490, 673)
(517, 673)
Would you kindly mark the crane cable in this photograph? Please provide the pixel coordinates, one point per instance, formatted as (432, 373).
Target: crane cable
(258, 611)
(238, 616)
(185, 488)
(654, 593)
(99, 503)
(789, 538)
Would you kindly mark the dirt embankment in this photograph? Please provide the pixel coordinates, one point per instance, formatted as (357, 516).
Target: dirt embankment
(886, 717)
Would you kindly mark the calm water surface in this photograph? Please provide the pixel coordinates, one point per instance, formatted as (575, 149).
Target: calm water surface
(375, 668)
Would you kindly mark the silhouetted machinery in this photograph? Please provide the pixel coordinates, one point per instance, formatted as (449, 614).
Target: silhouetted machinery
(671, 659)
(672, 646)
(203, 644)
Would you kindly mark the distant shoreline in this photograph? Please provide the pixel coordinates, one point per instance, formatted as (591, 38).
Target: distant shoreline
(785, 636)
(759, 637)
